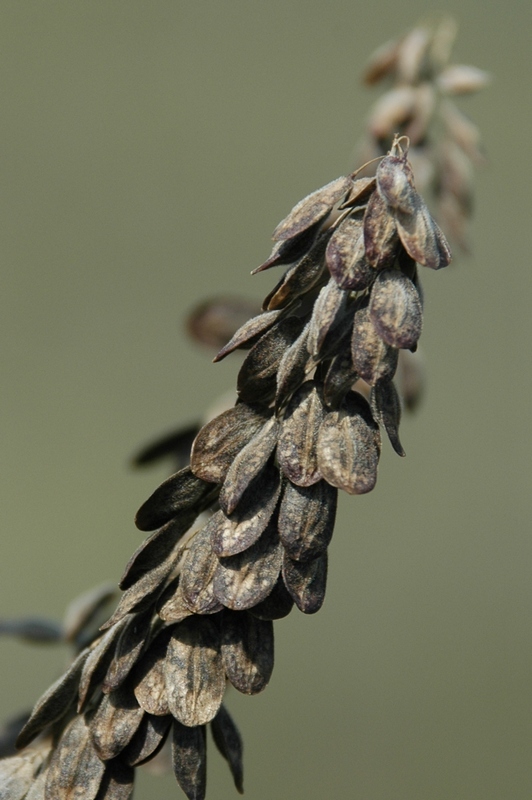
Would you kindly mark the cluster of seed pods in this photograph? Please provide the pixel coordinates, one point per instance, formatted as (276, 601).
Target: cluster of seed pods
(240, 536)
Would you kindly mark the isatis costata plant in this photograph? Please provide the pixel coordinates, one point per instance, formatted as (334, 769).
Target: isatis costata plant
(238, 537)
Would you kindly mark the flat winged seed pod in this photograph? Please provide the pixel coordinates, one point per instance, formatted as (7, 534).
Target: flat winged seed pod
(296, 450)
(312, 208)
(349, 446)
(239, 535)
(395, 309)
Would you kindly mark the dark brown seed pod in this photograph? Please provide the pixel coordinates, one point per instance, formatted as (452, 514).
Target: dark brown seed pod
(75, 769)
(33, 629)
(256, 382)
(229, 743)
(194, 675)
(95, 668)
(306, 519)
(243, 580)
(133, 639)
(422, 238)
(197, 575)
(349, 446)
(171, 606)
(175, 445)
(360, 191)
(189, 759)
(277, 605)
(177, 493)
(386, 410)
(346, 256)
(148, 739)
(118, 781)
(340, 377)
(218, 442)
(327, 310)
(312, 208)
(247, 465)
(395, 184)
(372, 358)
(301, 278)
(235, 533)
(293, 369)
(156, 548)
(395, 309)
(288, 251)
(380, 233)
(54, 703)
(296, 449)
(115, 722)
(247, 651)
(248, 333)
(148, 677)
(306, 581)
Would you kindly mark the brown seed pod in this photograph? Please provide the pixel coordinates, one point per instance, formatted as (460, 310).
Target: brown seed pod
(179, 492)
(328, 309)
(171, 606)
(101, 654)
(296, 449)
(349, 446)
(134, 637)
(277, 605)
(312, 208)
(372, 358)
(306, 582)
(293, 369)
(395, 309)
(395, 184)
(306, 519)
(256, 382)
(346, 256)
(248, 333)
(117, 782)
(386, 410)
(300, 278)
(380, 233)
(288, 251)
(189, 759)
(75, 769)
(229, 742)
(147, 741)
(197, 574)
(115, 722)
(156, 548)
(422, 238)
(148, 677)
(193, 671)
(247, 651)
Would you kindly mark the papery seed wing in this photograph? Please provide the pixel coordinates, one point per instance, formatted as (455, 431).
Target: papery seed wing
(54, 703)
(177, 493)
(118, 781)
(247, 335)
(115, 722)
(133, 639)
(359, 193)
(156, 548)
(306, 519)
(300, 278)
(75, 770)
(197, 574)
(221, 440)
(386, 410)
(189, 759)
(247, 465)
(95, 668)
(306, 581)
(395, 184)
(395, 309)
(346, 256)
(296, 449)
(194, 676)
(229, 742)
(288, 251)
(328, 307)
(422, 238)
(247, 651)
(277, 605)
(372, 358)
(312, 208)
(380, 233)
(340, 377)
(149, 677)
(148, 739)
(171, 605)
(256, 382)
(293, 369)
(243, 580)
(349, 446)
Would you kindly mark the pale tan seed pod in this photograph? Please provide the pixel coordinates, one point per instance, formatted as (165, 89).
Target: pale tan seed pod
(425, 102)
(395, 309)
(391, 111)
(148, 739)
(462, 130)
(413, 54)
(458, 79)
(171, 605)
(381, 63)
(312, 208)
(134, 636)
(256, 381)
(248, 333)
(101, 655)
(328, 309)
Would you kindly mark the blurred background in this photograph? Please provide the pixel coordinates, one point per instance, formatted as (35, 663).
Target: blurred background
(147, 151)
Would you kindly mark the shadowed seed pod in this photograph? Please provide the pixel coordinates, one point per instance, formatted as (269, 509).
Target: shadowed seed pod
(239, 535)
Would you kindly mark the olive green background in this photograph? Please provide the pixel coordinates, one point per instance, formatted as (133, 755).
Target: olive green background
(147, 151)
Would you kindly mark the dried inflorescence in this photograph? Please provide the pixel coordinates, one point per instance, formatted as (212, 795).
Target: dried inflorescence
(239, 536)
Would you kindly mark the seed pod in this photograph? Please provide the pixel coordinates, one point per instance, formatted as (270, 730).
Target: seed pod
(306, 519)
(171, 606)
(247, 465)
(179, 492)
(134, 637)
(148, 739)
(229, 742)
(349, 446)
(194, 676)
(149, 677)
(372, 358)
(312, 208)
(101, 653)
(395, 184)
(189, 759)
(386, 410)
(458, 79)
(381, 62)
(247, 651)
(361, 189)
(380, 233)
(54, 703)
(327, 310)
(346, 256)
(277, 605)
(422, 238)
(243, 580)
(293, 369)
(75, 769)
(306, 581)
(218, 442)
(115, 722)
(156, 548)
(301, 278)
(197, 573)
(256, 382)
(288, 251)
(117, 782)
(296, 449)
(235, 533)
(248, 333)
(395, 309)
(341, 376)
(391, 111)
